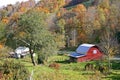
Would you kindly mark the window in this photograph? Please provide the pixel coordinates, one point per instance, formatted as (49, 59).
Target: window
(94, 51)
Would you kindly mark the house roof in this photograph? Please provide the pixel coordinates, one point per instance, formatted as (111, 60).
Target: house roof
(76, 55)
(83, 49)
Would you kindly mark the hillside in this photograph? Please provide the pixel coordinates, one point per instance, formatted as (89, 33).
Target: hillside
(52, 30)
(86, 17)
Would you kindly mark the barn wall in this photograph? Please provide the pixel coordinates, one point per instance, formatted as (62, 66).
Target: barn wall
(91, 55)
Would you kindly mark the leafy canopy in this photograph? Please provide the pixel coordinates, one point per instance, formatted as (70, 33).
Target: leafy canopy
(36, 34)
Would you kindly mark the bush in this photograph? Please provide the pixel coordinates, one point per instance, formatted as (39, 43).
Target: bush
(14, 71)
(115, 65)
(89, 66)
(43, 55)
(102, 68)
(4, 52)
(55, 65)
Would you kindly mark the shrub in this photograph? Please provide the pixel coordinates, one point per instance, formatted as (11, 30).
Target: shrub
(115, 65)
(102, 68)
(4, 52)
(55, 65)
(96, 76)
(14, 71)
(89, 66)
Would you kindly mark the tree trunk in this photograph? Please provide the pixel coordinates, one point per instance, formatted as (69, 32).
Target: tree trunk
(109, 67)
(32, 57)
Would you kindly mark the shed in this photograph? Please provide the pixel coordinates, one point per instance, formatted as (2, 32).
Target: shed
(86, 52)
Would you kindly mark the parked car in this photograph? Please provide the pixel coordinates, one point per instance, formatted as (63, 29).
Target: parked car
(21, 52)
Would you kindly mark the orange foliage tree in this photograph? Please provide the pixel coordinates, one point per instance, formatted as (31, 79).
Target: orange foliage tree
(79, 22)
(52, 5)
(5, 20)
(79, 8)
(1, 46)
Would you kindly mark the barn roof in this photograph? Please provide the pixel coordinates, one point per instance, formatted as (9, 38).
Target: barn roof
(83, 49)
(76, 55)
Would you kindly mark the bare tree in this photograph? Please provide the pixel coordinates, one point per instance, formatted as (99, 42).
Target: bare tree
(109, 44)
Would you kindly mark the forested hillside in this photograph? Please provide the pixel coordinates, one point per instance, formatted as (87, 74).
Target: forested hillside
(79, 24)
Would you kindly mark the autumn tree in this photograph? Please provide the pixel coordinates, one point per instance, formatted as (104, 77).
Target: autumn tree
(60, 36)
(92, 25)
(52, 5)
(36, 35)
(77, 23)
(2, 30)
(3, 13)
(5, 20)
(15, 16)
(109, 44)
(3, 49)
(108, 39)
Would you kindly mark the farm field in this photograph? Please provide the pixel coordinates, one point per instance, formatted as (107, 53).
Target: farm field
(69, 71)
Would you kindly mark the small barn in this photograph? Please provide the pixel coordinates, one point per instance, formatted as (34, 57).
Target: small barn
(86, 52)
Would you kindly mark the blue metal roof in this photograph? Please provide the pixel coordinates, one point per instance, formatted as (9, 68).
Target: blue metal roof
(76, 55)
(83, 49)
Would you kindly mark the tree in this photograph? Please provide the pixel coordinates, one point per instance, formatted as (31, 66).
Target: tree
(36, 35)
(108, 39)
(3, 13)
(2, 30)
(52, 5)
(60, 36)
(109, 44)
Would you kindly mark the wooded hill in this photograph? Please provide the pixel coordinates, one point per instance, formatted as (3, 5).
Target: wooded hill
(89, 21)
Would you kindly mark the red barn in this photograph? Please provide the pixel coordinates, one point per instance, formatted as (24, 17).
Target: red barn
(86, 52)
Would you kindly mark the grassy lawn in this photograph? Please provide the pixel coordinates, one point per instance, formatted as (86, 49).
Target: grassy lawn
(68, 71)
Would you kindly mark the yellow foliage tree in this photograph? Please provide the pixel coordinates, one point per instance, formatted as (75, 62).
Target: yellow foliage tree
(43, 9)
(15, 16)
(22, 34)
(5, 20)
(96, 24)
(22, 9)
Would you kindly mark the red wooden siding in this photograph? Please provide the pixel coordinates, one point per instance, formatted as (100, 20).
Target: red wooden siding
(93, 54)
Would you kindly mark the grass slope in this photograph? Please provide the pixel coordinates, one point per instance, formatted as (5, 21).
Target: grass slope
(68, 71)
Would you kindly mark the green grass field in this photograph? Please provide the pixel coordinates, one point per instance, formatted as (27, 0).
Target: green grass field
(69, 71)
